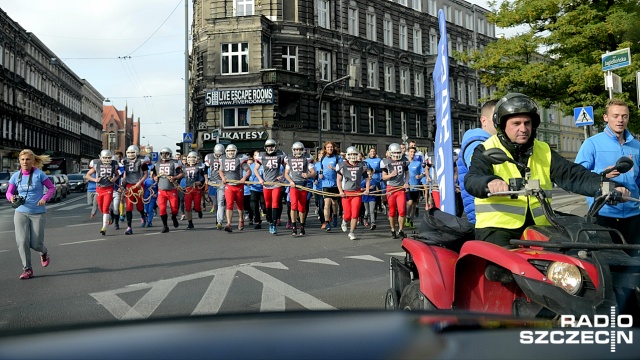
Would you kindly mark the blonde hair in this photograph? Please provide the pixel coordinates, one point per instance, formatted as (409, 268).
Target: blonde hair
(39, 160)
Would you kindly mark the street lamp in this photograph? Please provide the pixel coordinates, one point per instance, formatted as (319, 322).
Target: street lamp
(320, 107)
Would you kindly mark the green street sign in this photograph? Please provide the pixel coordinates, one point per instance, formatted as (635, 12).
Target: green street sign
(616, 59)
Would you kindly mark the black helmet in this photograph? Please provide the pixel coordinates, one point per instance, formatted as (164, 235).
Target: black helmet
(515, 104)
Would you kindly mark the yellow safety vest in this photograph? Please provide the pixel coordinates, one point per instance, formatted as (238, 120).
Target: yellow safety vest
(504, 212)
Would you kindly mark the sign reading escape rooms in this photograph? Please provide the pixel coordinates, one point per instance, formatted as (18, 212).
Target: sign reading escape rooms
(233, 97)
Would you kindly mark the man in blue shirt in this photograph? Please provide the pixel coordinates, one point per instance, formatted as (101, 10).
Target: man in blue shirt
(416, 174)
(601, 152)
(470, 140)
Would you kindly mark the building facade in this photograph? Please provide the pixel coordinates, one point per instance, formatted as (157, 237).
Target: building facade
(278, 70)
(44, 106)
(119, 130)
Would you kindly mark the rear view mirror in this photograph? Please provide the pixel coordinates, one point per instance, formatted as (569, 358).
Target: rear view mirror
(496, 156)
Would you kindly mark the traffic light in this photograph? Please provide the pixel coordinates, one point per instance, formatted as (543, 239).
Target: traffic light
(180, 146)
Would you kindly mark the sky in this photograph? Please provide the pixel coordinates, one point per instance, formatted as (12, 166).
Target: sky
(130, 51)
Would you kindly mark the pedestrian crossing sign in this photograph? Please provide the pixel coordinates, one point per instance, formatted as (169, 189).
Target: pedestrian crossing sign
(583, 115)
(187, 137)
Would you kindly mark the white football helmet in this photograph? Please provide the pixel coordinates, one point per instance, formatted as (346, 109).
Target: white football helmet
(106, 156)
(297, 148)
(192, 158)
(352, 154)
(133, 152)
(270, 146)
(231, 151)
(395, 151)
(218, 150)
(166, 154)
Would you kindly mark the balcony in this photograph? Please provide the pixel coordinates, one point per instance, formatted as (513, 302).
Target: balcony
(285, 78)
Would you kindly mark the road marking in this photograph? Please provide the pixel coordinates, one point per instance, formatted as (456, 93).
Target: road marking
(364, 257)
(83, 241)
(274, 293)
(324, 261)
(4, 250)
(7, 231)
(71, 207)
(76, 225)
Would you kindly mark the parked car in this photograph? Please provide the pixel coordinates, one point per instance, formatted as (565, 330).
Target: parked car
(64, 189)
(84, 171)
(77, 182)
(4, 182)
(67, 185)
(58, 184)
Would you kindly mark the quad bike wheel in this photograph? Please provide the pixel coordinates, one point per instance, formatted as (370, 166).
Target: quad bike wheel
(391, 300)
(413, 300)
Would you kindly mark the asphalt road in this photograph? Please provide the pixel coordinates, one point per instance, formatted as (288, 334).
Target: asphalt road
(93, 278)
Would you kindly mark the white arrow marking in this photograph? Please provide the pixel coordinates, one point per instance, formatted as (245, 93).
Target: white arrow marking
(150, 301)
(215, 294)
(324, 261)
(400, 254)
(364, 257)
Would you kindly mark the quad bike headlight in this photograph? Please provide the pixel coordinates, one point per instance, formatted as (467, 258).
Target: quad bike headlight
(565, 276)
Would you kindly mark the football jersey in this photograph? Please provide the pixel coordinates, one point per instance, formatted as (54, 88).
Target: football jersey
(171, 168)
(401, 166)
(213, 168)
(297, 166)
(104, 172)
(352, 175)
(271, 165)
(192, 173)
(134, 169)
(233, 168)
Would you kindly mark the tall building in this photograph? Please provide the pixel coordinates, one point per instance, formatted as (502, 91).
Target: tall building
(44, 105)
(277, 70)
(119, 130)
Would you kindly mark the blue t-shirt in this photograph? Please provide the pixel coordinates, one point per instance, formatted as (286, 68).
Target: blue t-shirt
(415, 169)
(329, 174)
(374, 163)
(32, 193)
(254, 178)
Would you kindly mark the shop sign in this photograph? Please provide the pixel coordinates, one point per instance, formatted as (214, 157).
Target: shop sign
(233, 97)
(236, 135)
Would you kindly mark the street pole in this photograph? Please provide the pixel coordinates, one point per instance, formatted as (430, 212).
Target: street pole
(186, 72)
(320, 108)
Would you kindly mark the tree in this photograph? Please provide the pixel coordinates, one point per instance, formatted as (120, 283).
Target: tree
(556, 59)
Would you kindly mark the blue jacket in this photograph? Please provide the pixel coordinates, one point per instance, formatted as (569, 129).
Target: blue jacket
(471, 139)
(603, 150)
(254, 178)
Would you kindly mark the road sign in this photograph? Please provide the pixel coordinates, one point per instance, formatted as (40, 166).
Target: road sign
(154, 156)
(583, 115)
(616, 59)
(187, 137)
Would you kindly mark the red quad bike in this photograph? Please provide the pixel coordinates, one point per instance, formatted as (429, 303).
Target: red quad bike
(572, 267)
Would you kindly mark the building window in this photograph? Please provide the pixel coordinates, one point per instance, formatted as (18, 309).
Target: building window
(236, 117)
(372, 121)
(481, 26)
(458, 17)
(418, 84)
(404, 81)
(461, 92)
(387, 30)
(290, 58)
(353, 116)
(325, 113)
(447, 12)
(416, 5)
(403, 123)
(388, 122)
(356, 73)
(372, 74)
(371, 25)
(417, 39)
(323, 14)
(432, 8)
(402, 2)
(266, 53)
(353, 21)
(433, 42)
(469, 22)
(389, 78)
(418, 125)
(235, 58)
(473, 96)
(243, 7)
(402, 36)
(325, 65)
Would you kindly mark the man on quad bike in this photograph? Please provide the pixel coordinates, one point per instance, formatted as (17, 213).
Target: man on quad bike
(500, 218)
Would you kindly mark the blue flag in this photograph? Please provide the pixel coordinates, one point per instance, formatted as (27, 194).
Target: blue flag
(444, 140)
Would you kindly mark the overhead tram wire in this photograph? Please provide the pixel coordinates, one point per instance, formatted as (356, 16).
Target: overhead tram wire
(150, 36)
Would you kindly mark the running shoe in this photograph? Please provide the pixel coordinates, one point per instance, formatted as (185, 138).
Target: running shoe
(103, 231)
(92, 216)
(275, 230)
(228, 228)
(401, 234)
(278, 223)
(190, 226)
(393, 234)
(258, 226)
(344, 226)
(324, 225)
(199, 214)
(117, 227)
(219, 226)
(366, 223)
(294, 231)
(328, 228)
(128, 231)
(26, 274)
(335, 221)
(301, 231)
(181, 218)
(352, 236)
(212, 210)
(289, 225)
(174, 218)
(143, 221)
(149, 224)
(241, 225)
(373, 227)
(44, 260)
(165, 229)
